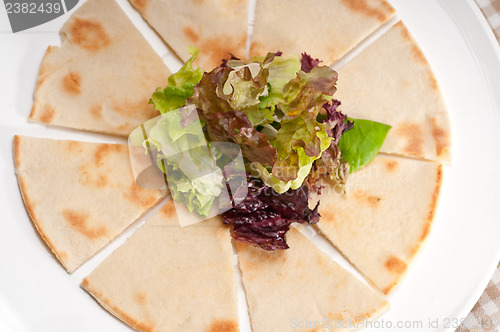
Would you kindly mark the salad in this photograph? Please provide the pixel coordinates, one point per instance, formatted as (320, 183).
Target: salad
(280, 114)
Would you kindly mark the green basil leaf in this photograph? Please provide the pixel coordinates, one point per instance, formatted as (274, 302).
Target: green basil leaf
(361, 144)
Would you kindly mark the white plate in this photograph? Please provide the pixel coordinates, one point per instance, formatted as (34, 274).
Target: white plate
(36, 294)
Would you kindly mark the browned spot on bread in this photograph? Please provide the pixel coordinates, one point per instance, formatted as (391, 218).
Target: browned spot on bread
(255, 48)
(89, 178)
(190, 34)
(389, 288)
(140, 5)
(96, 112)
(433, 204)
(415, 50)
(40, 82)
(63, 256)
(73, 146)
(414, 138)
(78, 221)
(16, 149)
(139, 196)
(433, 82)
(441, 137)
(327, 215)
(71, 83)
(168, 210)
(198, 2)
(140, 298)
(222, 325)
(363, 7)
(104, 149)
(391, 165)
(372, 200)
(89, 35)
(395, 265)
(217, 48)
(47, 114)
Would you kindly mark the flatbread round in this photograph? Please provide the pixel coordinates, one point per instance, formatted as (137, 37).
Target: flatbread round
(79, 195)
(101, 77)
(168, 278)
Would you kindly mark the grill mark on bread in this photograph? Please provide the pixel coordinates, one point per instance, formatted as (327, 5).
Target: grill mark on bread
(217, 48)
(372, 200)
(139, 196)
(168, 210)
(140, 5)
(48, 114)
(73, 146)
(103, 150)
(190, 34)
(78, 221)
(89, 35)
(395, 265)
(96, 112)
(222, 325)
(440, 137)
(71, 83)
(413, 135)
(362, 7)
(391, 165)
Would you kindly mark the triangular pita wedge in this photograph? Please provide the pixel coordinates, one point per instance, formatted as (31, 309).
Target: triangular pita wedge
(385, 216)
(216, 27)
(325, 29)
(392, 82)
(293, 289)
(102, 76)
(168, 278)
(79, 195)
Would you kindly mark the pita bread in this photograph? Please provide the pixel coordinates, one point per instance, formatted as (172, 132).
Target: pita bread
(325, 29)
(392, 82)
(300, 286)
(102, 76)
(385, 216)
(168, 278)
(215, 27)
(79, 195)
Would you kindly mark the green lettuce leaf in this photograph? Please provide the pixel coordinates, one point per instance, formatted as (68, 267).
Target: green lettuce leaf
(180, 86)
(299, 142)
(361, 144)
(309, 90)
(183, 154)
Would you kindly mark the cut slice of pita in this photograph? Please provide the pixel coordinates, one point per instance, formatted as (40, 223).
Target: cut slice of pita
(325, 29)
(215, 27)
(79, 195)
(102, 76)
(385, 216)
(392, 82)
(302, 287)
(168, 278)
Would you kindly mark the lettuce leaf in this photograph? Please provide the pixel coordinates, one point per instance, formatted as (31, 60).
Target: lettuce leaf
(309, 90)
(361, 144)
(234, 126)
(180, 86)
